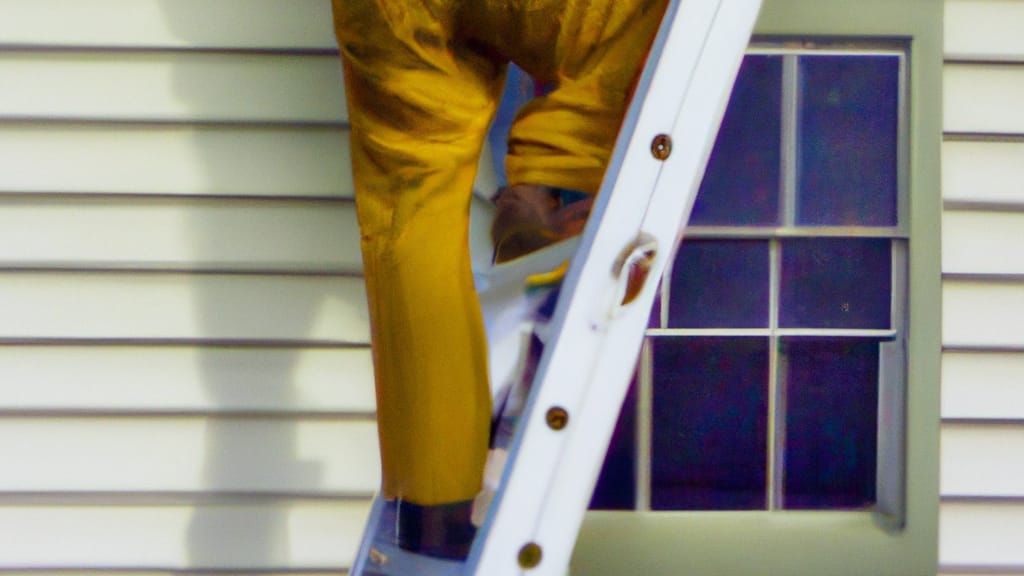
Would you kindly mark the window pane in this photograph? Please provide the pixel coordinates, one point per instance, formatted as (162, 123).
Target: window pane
(848, 139)
(741, 183)
(654, 320)
(616, 486)
(835, 283)
(709, 423)
(831, 422)
(720, 284)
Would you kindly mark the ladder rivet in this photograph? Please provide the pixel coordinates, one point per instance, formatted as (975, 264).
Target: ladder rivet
(661, 147)
(558, 418)
(529, 556)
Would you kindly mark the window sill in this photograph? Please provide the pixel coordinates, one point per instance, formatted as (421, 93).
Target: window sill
(734, 542)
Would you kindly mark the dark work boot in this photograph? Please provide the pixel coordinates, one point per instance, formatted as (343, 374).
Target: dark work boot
(442, 530)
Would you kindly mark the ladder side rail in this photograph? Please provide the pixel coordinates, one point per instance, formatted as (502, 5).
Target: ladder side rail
(508, 522)
(672, 201)
(552, 473)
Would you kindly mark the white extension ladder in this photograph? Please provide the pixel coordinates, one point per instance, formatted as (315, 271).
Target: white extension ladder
(557, 447)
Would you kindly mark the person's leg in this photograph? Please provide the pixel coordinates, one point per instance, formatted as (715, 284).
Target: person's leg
(565, 139)
(419, 107)
(591, 53)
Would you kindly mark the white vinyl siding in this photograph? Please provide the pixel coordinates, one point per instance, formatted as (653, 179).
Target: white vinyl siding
(107, 157)
(986, 461)
(982, 313)
(982, 455)
(983, 98)
(983, 171)
(987, 529)
(179, 296)
(983, 385)
(142, 454)
(270, 25)
(173, 86)
(109, 537)
(978, 242)
(984, 30)
(168, 307)
(180, 233)
(171, 380)
(184, 344)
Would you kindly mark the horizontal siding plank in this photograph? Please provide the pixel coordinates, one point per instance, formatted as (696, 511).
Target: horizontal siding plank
(981, 534)
(175, 159)
(983, 460)
(983, 98)
(189, 454)
(983, 385)
(179, 233)
(237, 24)
(172, 86)
(983, 314)
(983, 172)
(975, 242)
(273, 536)
(42, 305)
(987, 572)
(183, 379)
(984, 30)
(219, 572)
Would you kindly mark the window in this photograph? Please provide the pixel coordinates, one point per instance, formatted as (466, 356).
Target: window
(762, 364)
(793, 350)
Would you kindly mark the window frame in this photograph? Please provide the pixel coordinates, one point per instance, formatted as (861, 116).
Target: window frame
(795, 542)
(888, 505)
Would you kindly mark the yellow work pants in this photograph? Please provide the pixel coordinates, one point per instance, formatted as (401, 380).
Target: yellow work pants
(423, 78)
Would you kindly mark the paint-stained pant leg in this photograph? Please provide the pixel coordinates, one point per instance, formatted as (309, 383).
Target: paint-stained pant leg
(419, 107)
(421, 92)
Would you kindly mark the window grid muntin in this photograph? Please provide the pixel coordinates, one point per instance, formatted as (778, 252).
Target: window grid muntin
(775, 476)
(768, 233)
(789, 140)
(644, 426)
(888, 478)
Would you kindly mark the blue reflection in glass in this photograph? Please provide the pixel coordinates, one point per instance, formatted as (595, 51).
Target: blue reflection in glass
(741, 183)
(848, 140)
(831, 423)
(836, 283)
(709, 423)
(720, 284)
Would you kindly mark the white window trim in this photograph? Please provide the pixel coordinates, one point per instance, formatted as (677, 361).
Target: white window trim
(889, 507)
(817, 542)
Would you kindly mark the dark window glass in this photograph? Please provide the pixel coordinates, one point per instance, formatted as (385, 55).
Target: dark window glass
(835, 283)
(654, 320)
(709, 423)
(741, 183)
(710, 406)
(616, 486)
(848, 139)
(831, 423)
(720, 284)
